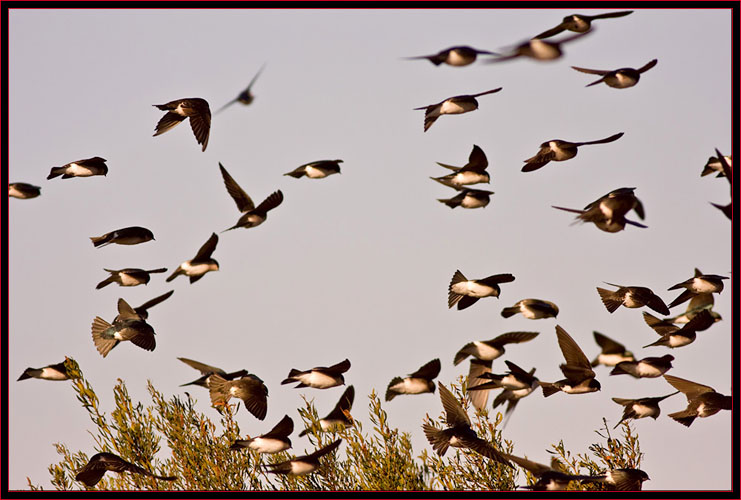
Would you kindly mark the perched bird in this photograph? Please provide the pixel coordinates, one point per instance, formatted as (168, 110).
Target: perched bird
(126, 236)
(251, 216)
(548, 478)
(459, 433)
(418, 382)
(249, 388)
(461, 55)
(579, 23)
(142, 310)
(320, 377)
(559, 150)
(532, 309)
(465, 292)
(340, 416)
(678, 337)
(304, 464)
(80, 168)
(199, 265)
(194, 108)
(623, 479)
(452, 106)
(274, 441)
(208, 372)
(100, 463)
(640, 408)
(577, 369)
(644, 368)
(608, 212)
(473, 172)
(613, 352)
(468, 198)
(489, 350)
(517, 383)
(702, 401)
(58, 371)
(621, 78)
(700, 283)
(540, 50)
(128, 277)
(23, 191)
(245, 97)
(128, 325)
(715, 165)
(631, 297)
(316, 169)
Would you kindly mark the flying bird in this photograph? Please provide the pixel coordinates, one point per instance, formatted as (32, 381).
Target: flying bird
(468, 198)
(640, 408)
(452, 106)
(194, 108)
(702, 400)
(251, 216)
(473, 172)
(548, 478)
(125, 236)
(613, 352)
(715, 165)
(274, 441)
(700, 283)
(419, 382)
(199, 265)
(465, 292)
(540, 50)
(560, 150)
(489, 350)
(320, 377)
(208, 371)
(100, 463)
(727, 169)
(651, 367)
(246, 96)
(340, 416)
(128, 325)
(23, 191)
(621, 78)
(631, 297)
(532, 309)
(249, 388)
(679, 337)
(128, 277)
(608, 212)
(316, 169)
(304, 464)
(516, 384)
(579, 23)
(57, 371)
(80, 168)
(623, 479)
(461, 55)
(577, 369)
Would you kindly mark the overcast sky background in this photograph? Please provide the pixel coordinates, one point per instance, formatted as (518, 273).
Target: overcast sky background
(357, 265)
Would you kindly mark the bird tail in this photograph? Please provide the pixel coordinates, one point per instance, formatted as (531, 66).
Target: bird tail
(175, 274)
(454, 298)
(619, 370)
(391, 394)
(609, 299)
(437, 439)
(549, 389)
(291, 376)
(105, 282)
(684, 417)
(102, 338)
(28, 373)
(99, 241)
(55, 172)
(449, 202)
(510, 311)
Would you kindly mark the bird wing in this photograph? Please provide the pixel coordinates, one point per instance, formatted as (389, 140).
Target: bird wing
(454, 413)
(647, 66)
(429, 370)
(270, 202)
(283, 428)
(535, 468)
(202, 367)
(207, 249)
(497, 278)
(553, 31)
(608, 345)
(167, 122)
(337, 369)
(242, 199)
(690, 389)
(591, 71)
(544, 155)
(477, 161)
(512, 338)
(571, 352)
(327, 449)
(612, 138)
(125, 311)
(201, 125)
(153, 302)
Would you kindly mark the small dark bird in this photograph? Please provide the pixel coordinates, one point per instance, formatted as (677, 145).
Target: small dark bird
(249, 388)
(473, 172)
(702, 401)
(465, 292)
(540, 50)
(532, 309)
(320, 377)
(517, 383)
(127, 326)
(142, 310)
(126, 236)
(468, 198)
(100, 463)
(340, 416)
(418, 382)
(128, 277)
(700, 283)
(621, 78)
(580, 23)
(452, 106)
(679, 337)
(245, 97)
(640, 408)
(23, 191)
(547, 478)
(80, 168)
(194, 108)
(608, 212)
(459, 433)
(274, 441)
(645, 368)
(199, 265)
(304, 464)
(461, 55)
(631, 297)
(489, 350)
(316, 169)
(613, 352)
(559, 150)
(715, 165)
(727, 170)
(56, 371)
(208, 371)
(623, 479)
(577, 369)
(251, 216)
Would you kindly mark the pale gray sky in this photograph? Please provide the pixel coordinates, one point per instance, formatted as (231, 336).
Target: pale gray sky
(357, 265)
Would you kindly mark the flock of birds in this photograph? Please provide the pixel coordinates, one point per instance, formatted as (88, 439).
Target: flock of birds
(608, 213)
